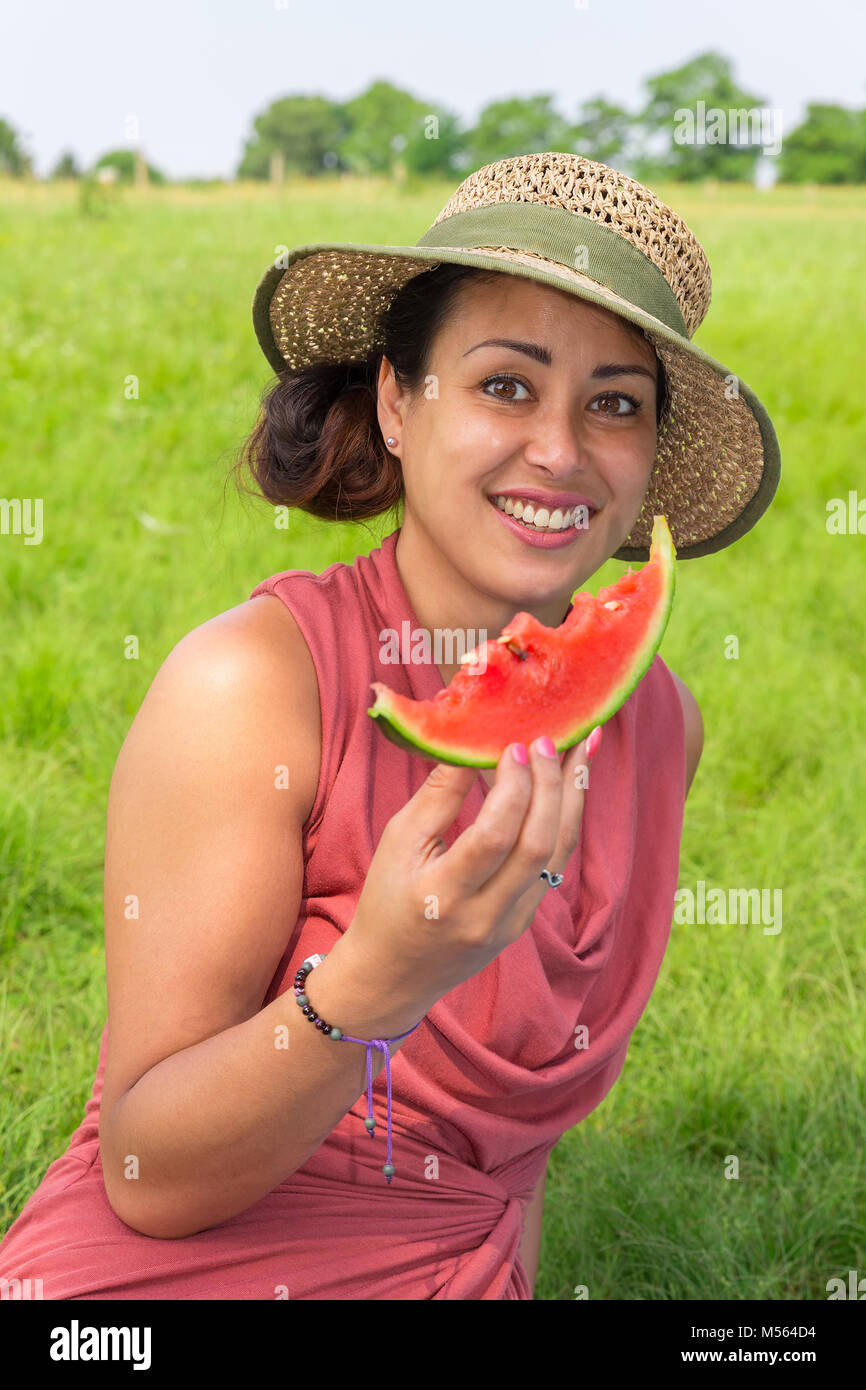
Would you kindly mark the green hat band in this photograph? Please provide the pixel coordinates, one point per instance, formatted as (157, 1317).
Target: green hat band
(580, 243)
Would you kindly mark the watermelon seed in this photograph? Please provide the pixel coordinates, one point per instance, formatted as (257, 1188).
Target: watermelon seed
(612, 604)
(512, 646)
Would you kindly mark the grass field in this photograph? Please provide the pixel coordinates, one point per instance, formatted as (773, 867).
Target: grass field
(753, 1044)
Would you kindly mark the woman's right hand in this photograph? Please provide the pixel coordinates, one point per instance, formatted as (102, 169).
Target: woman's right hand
(428, 917)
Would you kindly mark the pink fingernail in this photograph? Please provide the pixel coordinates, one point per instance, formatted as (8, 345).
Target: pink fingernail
(546, 746)
(593, 741)
(520, 753)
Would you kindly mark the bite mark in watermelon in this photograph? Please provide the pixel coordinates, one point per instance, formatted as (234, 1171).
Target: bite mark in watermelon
(560, 681)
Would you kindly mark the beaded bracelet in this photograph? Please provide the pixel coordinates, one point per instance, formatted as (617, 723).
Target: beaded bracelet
(381, 1044)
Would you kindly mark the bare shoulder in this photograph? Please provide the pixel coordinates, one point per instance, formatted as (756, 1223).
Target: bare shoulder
(253, 659)
(694, 728)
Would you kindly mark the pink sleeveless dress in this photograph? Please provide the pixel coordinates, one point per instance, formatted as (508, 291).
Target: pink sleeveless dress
(499, 1068)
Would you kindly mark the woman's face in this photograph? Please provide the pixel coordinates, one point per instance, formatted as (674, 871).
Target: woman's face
(494, 418)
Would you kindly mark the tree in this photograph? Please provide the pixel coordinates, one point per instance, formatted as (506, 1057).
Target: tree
(828, 147)
(66, 167)
(13, 159)
(306, 130)
(435, 144)
(518, 125)
(672, 108)
(383, 122)
(123, 161)
(601, 130)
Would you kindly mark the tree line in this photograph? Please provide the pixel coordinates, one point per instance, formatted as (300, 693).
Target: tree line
(696, 122)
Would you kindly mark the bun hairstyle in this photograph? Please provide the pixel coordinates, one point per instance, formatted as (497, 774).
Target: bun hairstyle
(317, 444)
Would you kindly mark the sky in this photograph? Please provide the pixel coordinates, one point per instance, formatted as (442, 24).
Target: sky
(194, 73)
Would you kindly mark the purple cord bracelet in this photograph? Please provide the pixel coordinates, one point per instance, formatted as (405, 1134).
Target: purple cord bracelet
(381, 1044)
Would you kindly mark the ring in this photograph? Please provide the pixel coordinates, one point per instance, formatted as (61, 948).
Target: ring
(553, 879)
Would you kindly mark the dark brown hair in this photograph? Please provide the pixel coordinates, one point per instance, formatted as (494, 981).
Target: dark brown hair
(317, 444)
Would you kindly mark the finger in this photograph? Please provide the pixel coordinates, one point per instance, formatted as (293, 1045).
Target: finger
(531, 836)
(575, 778)
(575, 773)
(434, 806)
(487, 842)
(554, 822)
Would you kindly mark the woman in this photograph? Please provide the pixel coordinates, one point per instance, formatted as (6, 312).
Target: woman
(526, 368)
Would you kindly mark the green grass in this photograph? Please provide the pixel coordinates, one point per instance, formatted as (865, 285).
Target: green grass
(752, 1045)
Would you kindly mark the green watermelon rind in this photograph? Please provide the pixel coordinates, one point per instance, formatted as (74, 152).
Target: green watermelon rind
(398, 732)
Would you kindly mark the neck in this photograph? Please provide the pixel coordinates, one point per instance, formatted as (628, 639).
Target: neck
(443, 599)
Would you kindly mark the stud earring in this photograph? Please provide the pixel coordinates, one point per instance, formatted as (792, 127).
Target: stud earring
(390, 440)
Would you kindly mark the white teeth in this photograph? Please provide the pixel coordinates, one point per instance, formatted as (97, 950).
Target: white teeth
(558, 520)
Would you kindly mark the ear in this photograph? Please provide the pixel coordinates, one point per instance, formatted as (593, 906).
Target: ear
(389, 398)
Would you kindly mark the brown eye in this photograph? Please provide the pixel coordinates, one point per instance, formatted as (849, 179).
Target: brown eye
(618, 396)
(509, 381)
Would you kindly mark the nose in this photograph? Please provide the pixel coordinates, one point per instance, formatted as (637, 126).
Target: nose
(557, 443)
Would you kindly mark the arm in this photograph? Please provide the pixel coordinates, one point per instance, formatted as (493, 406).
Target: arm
(694, 729)
(202, 1113)
(530, 1241)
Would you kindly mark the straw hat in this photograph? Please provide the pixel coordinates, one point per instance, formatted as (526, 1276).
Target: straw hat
(583, 227)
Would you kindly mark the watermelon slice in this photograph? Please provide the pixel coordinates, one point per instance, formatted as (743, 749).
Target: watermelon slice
(535, 680)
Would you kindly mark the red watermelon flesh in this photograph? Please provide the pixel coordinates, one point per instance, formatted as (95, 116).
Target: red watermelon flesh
(560, 681)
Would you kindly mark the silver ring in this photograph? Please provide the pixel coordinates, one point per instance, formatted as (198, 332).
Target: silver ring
(553, 879)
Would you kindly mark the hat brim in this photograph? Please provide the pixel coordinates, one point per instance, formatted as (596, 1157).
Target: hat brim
(718, 461)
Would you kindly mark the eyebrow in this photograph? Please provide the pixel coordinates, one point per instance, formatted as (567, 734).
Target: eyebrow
(545, 357)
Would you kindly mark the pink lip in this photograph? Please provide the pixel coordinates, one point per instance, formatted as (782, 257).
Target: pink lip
(549, 499)
(551, 540)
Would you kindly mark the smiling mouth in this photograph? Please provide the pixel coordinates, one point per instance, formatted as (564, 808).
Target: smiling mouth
(544, 520)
